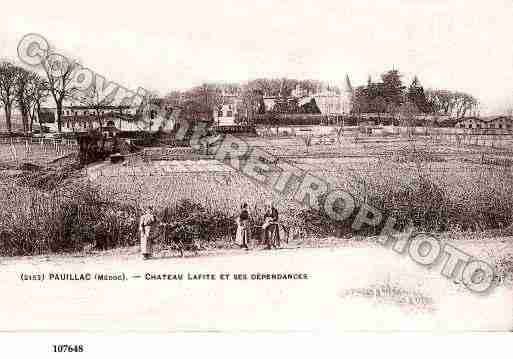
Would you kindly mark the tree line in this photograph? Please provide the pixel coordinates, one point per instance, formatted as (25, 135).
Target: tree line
(23, 90)
(210, 96)
(390, 96)
(27, 90)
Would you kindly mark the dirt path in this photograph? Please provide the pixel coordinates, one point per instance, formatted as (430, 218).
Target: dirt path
(352, 287)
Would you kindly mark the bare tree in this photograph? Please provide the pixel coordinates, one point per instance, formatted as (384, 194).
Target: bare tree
(24, 95)
(452, 103)
(252, 101)
(39, 94)
(407, 113)
(207, 94)
(60, 72)
(94, 100)
(173, 99)
(464, 104)
(8, 80)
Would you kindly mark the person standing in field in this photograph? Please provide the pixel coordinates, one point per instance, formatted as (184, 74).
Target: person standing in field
(145, 228)
(242, 235)
(270, 227)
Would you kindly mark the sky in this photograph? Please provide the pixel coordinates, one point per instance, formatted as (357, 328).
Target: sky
(167, 45)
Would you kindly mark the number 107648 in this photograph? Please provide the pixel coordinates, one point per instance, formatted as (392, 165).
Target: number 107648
(65, 348)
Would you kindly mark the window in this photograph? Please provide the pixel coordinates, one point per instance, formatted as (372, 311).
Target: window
(229, 113)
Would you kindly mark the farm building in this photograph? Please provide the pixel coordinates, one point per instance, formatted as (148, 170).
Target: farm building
(471, 122)
(501, 123)
(84, 118)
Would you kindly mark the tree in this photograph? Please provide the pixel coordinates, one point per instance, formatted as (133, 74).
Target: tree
(464, 103)
(39, 90)
(393, 87)
(417, 96)
(361, 100)
(379, 96)
(24, 95)
(59, 73)
(194, 112)
(451, 103)
(252, 102)
(208, 95)
(8, 81)
(379, 105)
(441, 101)
(407, 113)
(173, 99)
(92, 99)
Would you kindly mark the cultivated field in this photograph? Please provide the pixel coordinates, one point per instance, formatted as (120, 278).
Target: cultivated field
(38, 153)
(467, 176)
(434, 185)
(460, 194)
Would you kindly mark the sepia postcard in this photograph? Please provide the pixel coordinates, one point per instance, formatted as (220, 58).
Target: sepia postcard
(237, 166)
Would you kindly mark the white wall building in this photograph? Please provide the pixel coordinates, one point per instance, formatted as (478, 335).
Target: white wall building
(331, 102)
(498, 123)
(225, 113)
(83, 118)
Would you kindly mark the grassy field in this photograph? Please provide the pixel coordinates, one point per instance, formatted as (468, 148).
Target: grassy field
(35, 153)
(435, 186)
(350, 166)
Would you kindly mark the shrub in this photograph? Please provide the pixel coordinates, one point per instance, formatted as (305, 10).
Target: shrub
(191, 221)
(46, 179)
(416, 197)
(65, 219)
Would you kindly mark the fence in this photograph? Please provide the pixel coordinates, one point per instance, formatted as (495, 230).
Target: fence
(504, 141)
(35, 140)
(42, 151)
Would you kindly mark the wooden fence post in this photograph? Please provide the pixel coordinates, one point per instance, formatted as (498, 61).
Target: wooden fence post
(13, 151)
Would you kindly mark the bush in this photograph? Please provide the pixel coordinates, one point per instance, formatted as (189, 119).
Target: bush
(191, 222)
(430, 203)
(421, 203)
(46, 179)
(67, 218)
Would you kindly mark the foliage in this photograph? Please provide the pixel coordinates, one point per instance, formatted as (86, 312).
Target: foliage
(451, 103)
(193, 112)
(67, 218)
(190, 221)
(380, 97)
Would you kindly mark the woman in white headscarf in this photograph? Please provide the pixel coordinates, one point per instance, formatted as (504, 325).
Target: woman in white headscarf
(145, 224)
